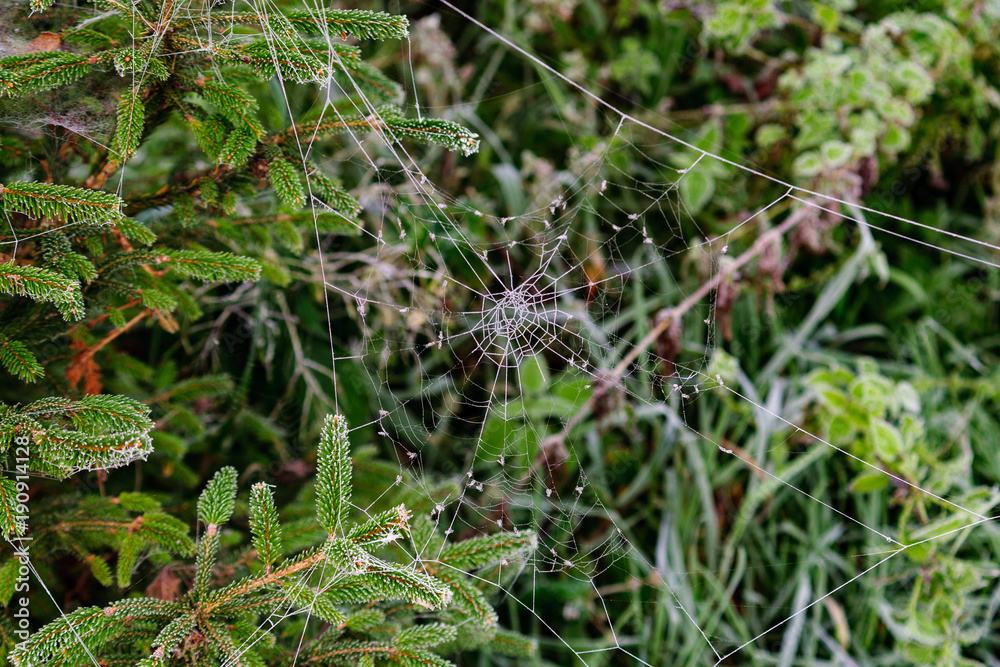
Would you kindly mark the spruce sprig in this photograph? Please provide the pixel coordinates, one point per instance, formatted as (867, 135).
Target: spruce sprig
(43, 285)
(344, 581)
(61, 202)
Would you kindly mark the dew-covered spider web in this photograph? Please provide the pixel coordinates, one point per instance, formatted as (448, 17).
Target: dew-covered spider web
(506, 341)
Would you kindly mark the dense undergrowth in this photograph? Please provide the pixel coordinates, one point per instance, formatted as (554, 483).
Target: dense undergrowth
(882, 346)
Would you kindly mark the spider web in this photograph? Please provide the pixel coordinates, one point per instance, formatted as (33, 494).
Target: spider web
(489, 321)
(527, 332)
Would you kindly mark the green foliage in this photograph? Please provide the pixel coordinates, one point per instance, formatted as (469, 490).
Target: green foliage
(131, 117)
(287, 183)
(210, 96)
(212, 266)
(333, 488)
(889, 106)
(18, 360)
(61, 202)
(220, 621)
(20, 75)
(265, 526)
(66, 436)
(84, 287)
(43, 285)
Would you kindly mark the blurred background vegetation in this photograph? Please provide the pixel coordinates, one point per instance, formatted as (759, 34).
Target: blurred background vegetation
(883, 345)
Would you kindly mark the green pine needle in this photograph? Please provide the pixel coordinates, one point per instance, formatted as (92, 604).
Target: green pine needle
(13, 516)
(237, 105)
(487, 550)
(239, 146)
(340, 582)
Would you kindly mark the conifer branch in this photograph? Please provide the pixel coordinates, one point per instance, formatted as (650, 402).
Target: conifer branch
(333, 486)
(37, 72)
(43, 285)
(347, 574)
(18, 360)
(61, 202)
(264, 525)
(287, 183)
(388, 121)
(131, 117)
(93, 433)
(360, 23)
(212, 266)
(341, 582)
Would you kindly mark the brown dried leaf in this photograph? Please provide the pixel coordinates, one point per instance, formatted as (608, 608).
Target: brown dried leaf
(46, 41)
(668, 345)
(166, 586)
(83, 367)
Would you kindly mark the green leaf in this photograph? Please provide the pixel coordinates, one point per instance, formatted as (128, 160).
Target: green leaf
(807, 165)
(835, 153)
(885, 439)
(534, 374)
(870, 480)
(696, 189)
(769, 134)
(896, 139)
